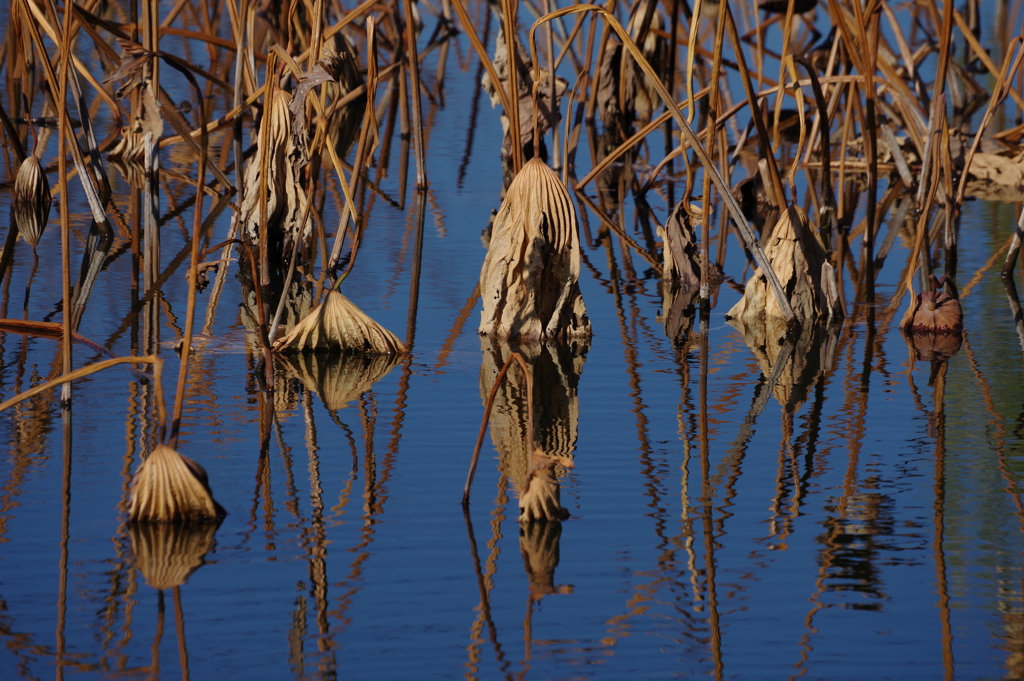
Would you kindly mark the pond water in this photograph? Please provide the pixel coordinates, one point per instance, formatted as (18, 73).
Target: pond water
(851, 514)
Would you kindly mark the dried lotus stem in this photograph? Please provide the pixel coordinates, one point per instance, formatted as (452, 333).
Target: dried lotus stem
(31, 201)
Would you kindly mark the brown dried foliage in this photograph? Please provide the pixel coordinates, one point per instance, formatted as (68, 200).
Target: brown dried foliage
(799, 261)
(31, 201)
(170, 487)
(337, 324)
(530, 278)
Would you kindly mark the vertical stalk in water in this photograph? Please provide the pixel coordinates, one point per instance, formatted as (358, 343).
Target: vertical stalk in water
(413, 60)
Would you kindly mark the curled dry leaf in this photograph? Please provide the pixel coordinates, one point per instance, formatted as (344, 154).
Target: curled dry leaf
(31, 201)
(625, 93)
(285, 199)
(799, 261)
(681, 255)
(541, 500)
(337, 324)
(339, 378)
(171, 487)
(530, 278)
(167, 553)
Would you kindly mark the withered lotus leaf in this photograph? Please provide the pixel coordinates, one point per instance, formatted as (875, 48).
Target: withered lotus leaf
(530, 279)
(799, 261)
(285, 200)
(171, 487)
(31, 201)
(337, 324)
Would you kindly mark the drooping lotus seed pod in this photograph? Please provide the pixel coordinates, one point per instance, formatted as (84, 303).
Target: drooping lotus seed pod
(31, 201)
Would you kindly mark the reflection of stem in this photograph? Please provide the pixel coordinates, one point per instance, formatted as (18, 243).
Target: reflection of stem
(485, 601)
(317, 552)
(487, 415)
(940, 521)
(706, 497)
(1009, 480)
(460, 322)
(179, 624)
(65, 526)
(31, 276)
(155, 669)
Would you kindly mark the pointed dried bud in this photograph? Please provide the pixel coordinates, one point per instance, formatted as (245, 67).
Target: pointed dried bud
(31, 202)
(170, 487)
(337, 324)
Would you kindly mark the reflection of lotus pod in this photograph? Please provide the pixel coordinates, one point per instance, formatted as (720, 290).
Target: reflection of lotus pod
(170, 487)
(539, 545)
(556, 369)
(678, 310)
(798, 258)
(167, 553)
(934, 311)
(934, 347)
(339, 378)
(133, 172)
(811, 354)
(337, 324)
(530, 278)
(541, 500)
(31, 201)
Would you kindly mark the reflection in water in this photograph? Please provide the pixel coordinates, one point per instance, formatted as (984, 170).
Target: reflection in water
(793, 365)
(167, 553)
(339, 378)
(556, 370)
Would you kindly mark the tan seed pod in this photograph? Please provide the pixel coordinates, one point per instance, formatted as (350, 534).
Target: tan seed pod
(337, 324)
(31, 201)
(530, 278)
(171, 487)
